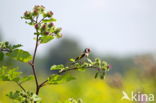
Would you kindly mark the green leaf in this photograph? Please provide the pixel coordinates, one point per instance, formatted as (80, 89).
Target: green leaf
(20, 55)
(57, 67)
(45, 39)
(72, 60)
(57, 79)
(24, 97)
(49, 20)
(89, 60)
(102, 76)
(96, 75)
(30, 23)
(9, 75)
(82, 69)
(16, 46)
(1, 55)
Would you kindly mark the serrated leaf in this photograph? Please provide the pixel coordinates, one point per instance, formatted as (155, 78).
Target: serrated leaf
(49, 20)
(20, 55)
(45, 39)
(57, 79)
(9, 75)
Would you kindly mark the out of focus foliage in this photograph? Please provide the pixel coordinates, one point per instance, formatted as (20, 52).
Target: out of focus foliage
(24, 97)
(133, 73)
(96, 90)
(45, 31)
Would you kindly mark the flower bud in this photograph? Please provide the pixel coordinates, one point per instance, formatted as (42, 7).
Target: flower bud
(27, 14)
(42, 8)
(36, 7)
(50, 25)
(43, 27)
(36, 26)
(35, 12)
(39, 8)
(57, 30)
(109, 66)
(49, 14)
(46, 33)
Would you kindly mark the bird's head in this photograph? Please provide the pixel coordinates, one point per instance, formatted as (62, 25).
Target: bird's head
(87, 50)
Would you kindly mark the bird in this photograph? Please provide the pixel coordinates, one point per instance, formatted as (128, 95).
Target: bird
(85, 53)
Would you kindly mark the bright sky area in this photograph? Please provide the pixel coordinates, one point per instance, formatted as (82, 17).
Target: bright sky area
(108, 26)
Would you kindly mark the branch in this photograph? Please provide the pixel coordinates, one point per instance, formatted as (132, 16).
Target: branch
(21, 86)
(33, 64)
(64, 71)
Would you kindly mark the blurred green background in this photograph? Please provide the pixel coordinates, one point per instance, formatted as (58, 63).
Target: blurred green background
(122, 32)
(128, 73)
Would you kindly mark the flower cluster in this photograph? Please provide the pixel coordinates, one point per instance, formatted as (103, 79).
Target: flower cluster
(43, 22)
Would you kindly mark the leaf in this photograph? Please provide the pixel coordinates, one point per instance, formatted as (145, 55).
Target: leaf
(1, 55)
(14, 95)
(89, 60)
(57, 79)
(72, 60)
(45, 39)
(49, 20)
(24, 97)
(30, 23)
(20, 55)
(9, 75)
(103, 75)
(16, 46)
(96, 75)
(82, 69)
(57, 67)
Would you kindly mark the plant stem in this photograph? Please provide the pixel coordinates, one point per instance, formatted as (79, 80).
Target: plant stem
(33, 66)
(59, 73)
(33, 63)
(21, 86)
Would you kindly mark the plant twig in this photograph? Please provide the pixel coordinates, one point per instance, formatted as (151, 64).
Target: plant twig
(33, 64)
(21, 86)
(59, 73)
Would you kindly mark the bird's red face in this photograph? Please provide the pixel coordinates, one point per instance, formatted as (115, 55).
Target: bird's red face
(87, 50)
